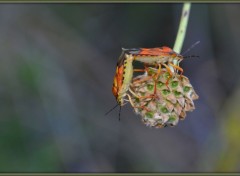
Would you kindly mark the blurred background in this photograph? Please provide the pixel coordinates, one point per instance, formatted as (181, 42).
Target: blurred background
(57, 63)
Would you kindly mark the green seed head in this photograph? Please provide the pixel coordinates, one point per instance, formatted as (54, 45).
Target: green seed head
(186, 89)
(174, 84)
(150, 87)
(171, 119)
(149, 114)
(160, 84)
(176, 93)
(164, 110)
(166, 75)
(165, 92)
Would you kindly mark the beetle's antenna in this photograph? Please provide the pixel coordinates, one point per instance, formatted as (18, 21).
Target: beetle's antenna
(191, 47)
(112, 109)
(119, 114)
(190, 56)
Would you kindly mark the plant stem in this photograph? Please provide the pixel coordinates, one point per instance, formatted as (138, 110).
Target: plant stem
(182, 29)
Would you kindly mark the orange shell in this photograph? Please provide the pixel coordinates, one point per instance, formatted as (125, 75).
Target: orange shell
(156, 51)
(117, 81)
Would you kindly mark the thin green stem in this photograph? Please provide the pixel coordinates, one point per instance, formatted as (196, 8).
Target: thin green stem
(182, 29)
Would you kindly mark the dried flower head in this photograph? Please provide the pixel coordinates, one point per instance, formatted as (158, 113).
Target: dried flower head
(159, 104)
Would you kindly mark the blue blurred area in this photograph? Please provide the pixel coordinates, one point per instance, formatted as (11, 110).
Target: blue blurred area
(56, 71)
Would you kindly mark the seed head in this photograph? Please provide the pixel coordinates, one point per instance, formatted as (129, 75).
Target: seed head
(160, 104)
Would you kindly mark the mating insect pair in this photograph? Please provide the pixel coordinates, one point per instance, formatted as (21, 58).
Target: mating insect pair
(179, 97)
(157, 57)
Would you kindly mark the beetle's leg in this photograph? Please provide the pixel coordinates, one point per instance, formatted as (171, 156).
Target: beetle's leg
(142, 70)
(156, 78)
(130, 90)
(178, 68)
(170, 74)
(142, 97)
(139, 70)
(142, 80)
(148, 96)
(130, 100)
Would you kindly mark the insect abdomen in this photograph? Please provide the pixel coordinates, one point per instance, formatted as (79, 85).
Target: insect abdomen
(152, 59)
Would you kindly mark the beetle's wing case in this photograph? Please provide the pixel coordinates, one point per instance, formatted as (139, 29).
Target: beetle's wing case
(121, 59)
(118, 78)
(156, 55)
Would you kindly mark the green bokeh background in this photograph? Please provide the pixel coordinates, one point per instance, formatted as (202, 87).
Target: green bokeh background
(56, 71)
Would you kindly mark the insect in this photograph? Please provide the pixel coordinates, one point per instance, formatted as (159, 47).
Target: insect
(160, 56)
(123, 77)
(157, 56)
(122, 80)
